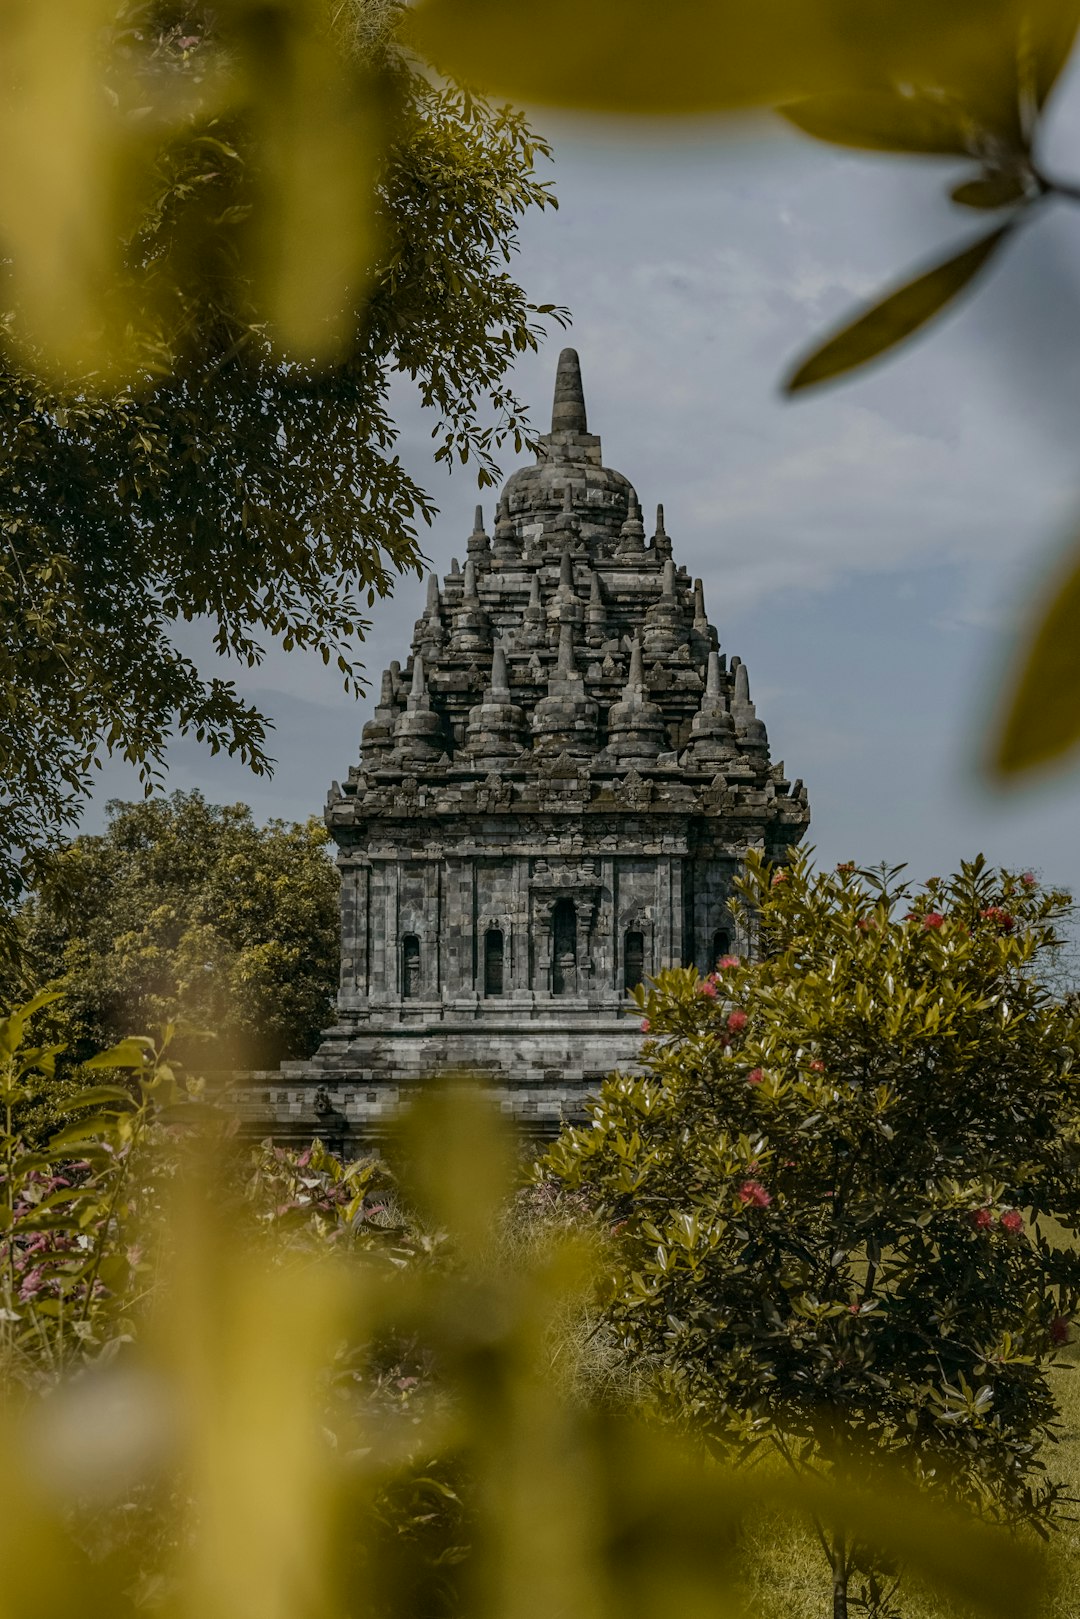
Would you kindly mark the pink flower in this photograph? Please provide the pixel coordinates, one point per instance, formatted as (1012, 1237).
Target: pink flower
(1028, 879)
(981, 1219)
(1012, 1221)
(754, 1077)
(779, 877)
(304, 1159)
(707, 987)
(645, 1025)
(932, 919)
(753, 1193)
(998, 914)
(854, 1308)
(1059, 1330)
(728, 961)
(817, 1066)
(736, 1021)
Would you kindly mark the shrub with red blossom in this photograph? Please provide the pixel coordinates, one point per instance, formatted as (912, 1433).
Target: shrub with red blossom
(857, 1249)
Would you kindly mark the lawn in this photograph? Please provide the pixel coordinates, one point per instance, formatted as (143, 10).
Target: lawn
(787, 1577)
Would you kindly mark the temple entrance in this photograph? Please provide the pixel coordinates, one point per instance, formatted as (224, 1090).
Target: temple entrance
(721, 946)
(633, 958)
(564, 948)
(410, 967)
(493, 961)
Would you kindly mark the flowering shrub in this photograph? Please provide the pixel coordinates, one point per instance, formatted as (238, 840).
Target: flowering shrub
(835, 1179)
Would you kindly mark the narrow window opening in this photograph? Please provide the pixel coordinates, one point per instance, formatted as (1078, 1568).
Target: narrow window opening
(410, 967)
(633, 958)
(564, 948)
(493, 961)
(721, 944)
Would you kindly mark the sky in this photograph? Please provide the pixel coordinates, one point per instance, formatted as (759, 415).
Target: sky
(868, 550)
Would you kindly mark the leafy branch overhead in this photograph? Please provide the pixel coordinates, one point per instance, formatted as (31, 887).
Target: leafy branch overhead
(227, 227)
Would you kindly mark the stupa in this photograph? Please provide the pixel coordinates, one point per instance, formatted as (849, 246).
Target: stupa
(554, 796)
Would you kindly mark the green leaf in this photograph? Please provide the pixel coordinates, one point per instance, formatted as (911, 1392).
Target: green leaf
(698, 56)
(991, 191)
(886, 121)
(896, 316)
(96, 1124)
(99, 1095)
(133, 1052)
(1042, 719)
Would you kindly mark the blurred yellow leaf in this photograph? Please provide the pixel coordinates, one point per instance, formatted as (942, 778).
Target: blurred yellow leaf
(898, 315)
(1042, 717)
(1049, 34)
(991, 191)
(321, 123)
(886, 121)
(700, 56)
(58, 136)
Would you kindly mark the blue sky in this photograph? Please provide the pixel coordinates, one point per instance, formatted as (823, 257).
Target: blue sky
(866, 550)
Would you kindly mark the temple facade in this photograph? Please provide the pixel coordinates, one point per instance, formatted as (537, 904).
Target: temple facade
(554, 796)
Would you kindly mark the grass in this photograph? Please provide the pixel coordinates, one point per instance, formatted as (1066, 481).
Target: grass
(787, 1578)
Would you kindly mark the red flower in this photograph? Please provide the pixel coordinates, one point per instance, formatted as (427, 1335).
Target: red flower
(754, 1077)
(981, 1219)
(998, 914)
(736, 1021)
(854, 1308)
(1012, 1221)
(707, 987)
(728, 961)
(1059, 1330)
(753, 1193)
(1028, 879)
(645, 1025)
(817, 1066)
(779, 877)
(932, 919)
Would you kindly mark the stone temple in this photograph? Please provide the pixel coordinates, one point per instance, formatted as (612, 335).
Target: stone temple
(553, 798)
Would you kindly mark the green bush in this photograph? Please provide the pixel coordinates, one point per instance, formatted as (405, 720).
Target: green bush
(841, 1184)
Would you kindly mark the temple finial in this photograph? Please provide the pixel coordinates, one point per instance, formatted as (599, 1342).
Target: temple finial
(499, 681)
(418, 687)
(568, 410)
(433, 603)
(566, 571)
(712, 684)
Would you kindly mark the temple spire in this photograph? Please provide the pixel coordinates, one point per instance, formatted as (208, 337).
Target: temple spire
(568, 409)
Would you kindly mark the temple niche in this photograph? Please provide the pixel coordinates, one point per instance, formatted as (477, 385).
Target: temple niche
(554, 795)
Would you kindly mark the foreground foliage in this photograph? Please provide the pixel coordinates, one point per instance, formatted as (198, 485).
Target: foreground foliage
(846, 1187)
(298, 1402)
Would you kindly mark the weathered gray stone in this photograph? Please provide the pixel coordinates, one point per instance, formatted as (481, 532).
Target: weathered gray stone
(542, 816)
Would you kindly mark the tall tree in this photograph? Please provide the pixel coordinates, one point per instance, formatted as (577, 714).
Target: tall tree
(222, 480)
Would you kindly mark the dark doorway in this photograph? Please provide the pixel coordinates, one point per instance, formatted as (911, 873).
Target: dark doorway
(633, 958)
(721, 945)
(564, 948)
(410, 966)
(493, 961)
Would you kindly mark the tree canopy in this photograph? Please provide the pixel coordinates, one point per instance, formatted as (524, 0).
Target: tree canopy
(187, 912)
(217, 477)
